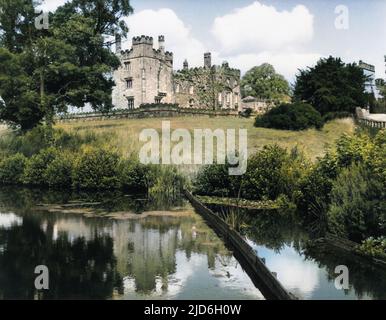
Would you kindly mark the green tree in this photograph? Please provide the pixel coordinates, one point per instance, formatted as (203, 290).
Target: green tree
(331, 86)
(43, 72)
(264, 83)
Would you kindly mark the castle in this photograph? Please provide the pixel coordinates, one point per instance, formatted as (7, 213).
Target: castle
(146, 76)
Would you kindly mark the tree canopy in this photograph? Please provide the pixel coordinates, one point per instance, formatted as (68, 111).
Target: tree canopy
(264, 83)
(331, 86)
(42, 72)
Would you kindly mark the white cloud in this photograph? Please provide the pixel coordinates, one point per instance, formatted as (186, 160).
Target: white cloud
(260, 27)
(178, 37)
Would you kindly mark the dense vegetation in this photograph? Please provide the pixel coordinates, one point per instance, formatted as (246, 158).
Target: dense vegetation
(263, 82)
(344, 192)
(332, 86)
(297, 116)
(47, 157)
(44, 71)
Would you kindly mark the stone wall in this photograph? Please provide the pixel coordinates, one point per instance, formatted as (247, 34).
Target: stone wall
(149, 72)
(216, 87)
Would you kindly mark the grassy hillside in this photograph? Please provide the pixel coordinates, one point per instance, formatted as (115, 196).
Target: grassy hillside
(123, 134)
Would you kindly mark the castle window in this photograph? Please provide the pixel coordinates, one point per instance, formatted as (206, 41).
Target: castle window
(191, 103)
(127, 66)
(158, 100)
(130, 103)
(129, 83)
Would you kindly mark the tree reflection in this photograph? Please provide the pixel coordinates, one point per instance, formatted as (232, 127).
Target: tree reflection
(78, 269)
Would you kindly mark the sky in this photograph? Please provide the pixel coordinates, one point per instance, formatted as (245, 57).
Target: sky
(289, 34)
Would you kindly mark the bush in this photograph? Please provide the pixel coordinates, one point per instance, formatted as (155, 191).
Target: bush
(214, 180)
(59, 171)
(12, 169)
(353, 149)
(313, 197)
(358, 204)
(96, 169)
(135, 176)
(298, 116)
(37, 165)
(374, 247)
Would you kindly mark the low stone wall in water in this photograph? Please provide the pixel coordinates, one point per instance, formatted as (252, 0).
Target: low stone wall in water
(260, 275)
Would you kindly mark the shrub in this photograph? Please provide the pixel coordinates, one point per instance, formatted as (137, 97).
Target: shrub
(313, 197)
(214, 180)
(96, 169)
(135, 176)
(358, 204)
(374, 247)
(59, 172)
(37, 165)
(298, 116)
(264, 177)
(353, 149)
(12, 169)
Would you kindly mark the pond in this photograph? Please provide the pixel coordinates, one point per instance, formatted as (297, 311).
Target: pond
(306, 271)
(112, 246)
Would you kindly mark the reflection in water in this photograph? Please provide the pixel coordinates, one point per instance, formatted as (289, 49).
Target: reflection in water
(308, 271)
(125, 255)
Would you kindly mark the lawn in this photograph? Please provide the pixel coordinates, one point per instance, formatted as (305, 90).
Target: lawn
(123, 134)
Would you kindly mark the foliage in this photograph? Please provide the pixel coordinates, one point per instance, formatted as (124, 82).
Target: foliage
(36, 166)
(297, 116)
(331, 86)
(264, 83)
(96, 169)
(272, 172)
(374, 247)
(353, 149)
(313, 197)
(12, 169)
(135, 176)
(44, 71)
(215, 180)
(59, 171)
(358, 204)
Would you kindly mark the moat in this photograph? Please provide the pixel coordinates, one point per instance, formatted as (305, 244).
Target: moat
(106, 246)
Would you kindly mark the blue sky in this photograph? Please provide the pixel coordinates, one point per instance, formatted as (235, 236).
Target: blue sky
(289, 34)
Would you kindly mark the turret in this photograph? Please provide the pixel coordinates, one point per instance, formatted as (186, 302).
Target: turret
(161, 43)
(186, 65)
(207, 60)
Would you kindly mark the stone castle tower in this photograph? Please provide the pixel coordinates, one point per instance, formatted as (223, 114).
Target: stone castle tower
(145, 76)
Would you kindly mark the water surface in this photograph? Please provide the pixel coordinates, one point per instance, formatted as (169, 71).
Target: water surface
(112, 247)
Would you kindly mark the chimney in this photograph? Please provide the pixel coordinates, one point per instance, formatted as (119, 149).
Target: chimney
(161, 43)
(118, 43)
(207, 60)
(186, 65)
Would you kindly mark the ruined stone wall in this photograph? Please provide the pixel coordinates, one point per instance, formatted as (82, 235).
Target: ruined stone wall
(217, 87)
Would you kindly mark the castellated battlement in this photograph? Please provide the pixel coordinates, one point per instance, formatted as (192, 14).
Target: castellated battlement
(143, 40)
